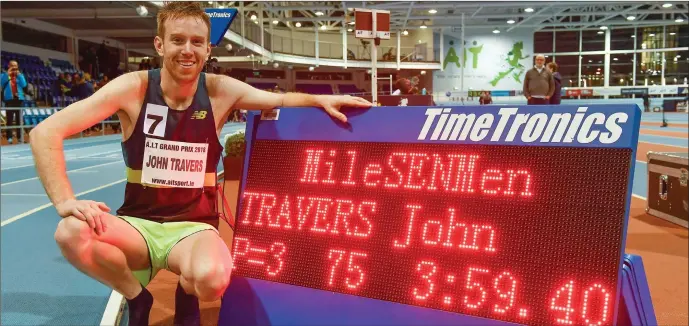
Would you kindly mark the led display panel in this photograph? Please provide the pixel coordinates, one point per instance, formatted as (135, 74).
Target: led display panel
(527, 234)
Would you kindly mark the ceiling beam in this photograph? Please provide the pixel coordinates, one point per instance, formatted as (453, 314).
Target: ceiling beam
(613, 15)
(411, 6)
(528, 18)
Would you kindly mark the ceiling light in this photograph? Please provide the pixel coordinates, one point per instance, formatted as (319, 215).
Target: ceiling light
(405, 32)
(221, 7)
(323, 27)
(601, 32)
(590, 60)
(511, 21)
(604, 27)
(614, 59)
(298, 24)
(352, 23)
(667, 5)
(496, 31)
(275, 22)
(423, 26)
(679, 20)
(349, 29)
(319, 13)
(672, 33)
(432, 11)
(528, 10)
(651, 35)
(633, 36)
(631, 17)
(142, 11)
(253, 17)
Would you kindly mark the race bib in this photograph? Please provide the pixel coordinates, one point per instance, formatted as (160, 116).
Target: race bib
(174, 164)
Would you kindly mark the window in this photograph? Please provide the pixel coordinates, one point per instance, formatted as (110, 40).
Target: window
(567, 41)
(649, 37)
(543, 42)
(622, 39)
(592, 73)
(676, 67)
(593, 40)
(621, 69)
(648, 68)
(568, 66)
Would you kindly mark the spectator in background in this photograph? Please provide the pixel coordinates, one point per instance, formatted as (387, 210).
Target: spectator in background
(90, 85)
(539, 85)
(557, 78)
(13, 84)
(485, 98)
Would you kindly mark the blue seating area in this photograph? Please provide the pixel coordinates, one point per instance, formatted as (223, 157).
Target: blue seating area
(35, 71)
(319, 89)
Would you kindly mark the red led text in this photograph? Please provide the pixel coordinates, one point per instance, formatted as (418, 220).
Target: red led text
(456, 173)
(452, 234)
(477, 290)
(272, 257)
(317, 214)
(345, 268)
(593, 303)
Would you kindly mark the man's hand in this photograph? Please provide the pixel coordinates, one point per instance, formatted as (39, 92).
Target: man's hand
(333, 103)
(547, 97)
(86, 210)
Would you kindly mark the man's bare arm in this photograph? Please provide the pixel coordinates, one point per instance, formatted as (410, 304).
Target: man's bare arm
(246, 97)
(47, 138)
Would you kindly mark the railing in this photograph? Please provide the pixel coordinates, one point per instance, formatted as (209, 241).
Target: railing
(387, 51)
(31, 117)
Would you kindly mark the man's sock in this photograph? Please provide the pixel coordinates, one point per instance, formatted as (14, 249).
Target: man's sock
(187, 311)
(140, 308)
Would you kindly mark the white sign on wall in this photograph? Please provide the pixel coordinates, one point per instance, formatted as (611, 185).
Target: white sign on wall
(491, 61)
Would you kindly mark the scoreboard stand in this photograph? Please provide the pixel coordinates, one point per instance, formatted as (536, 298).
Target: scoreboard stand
(519, 216)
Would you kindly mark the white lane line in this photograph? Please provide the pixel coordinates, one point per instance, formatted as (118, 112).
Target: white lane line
(38, 195)
(69, 171)
(73, 158)
(640, 197)
(652, 143)
(29, 212)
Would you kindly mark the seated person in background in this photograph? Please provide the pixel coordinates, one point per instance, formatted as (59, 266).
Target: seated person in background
(485, 98)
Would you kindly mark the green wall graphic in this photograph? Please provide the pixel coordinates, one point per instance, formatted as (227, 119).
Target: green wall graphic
(512, 59)
(451, 55)
(484, 61)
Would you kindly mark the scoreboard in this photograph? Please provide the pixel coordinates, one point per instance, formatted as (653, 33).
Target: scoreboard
(434, 215)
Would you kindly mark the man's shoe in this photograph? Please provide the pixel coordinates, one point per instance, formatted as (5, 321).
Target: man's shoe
(187, 311)
(140, 308)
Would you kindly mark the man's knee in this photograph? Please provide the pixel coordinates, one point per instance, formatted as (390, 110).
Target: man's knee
(211, 281)
(72, 233)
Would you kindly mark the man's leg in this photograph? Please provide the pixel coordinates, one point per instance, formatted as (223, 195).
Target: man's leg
(204, 264)
(109, 258)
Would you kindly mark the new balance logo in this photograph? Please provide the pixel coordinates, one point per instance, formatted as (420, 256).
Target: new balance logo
(199, 115)
(510, 126)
